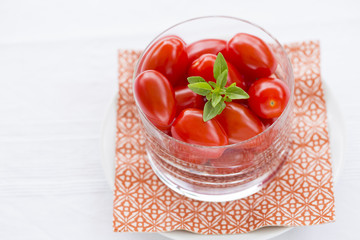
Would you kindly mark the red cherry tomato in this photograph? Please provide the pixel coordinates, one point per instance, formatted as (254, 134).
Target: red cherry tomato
(198, 48)
(156, 98)
(251, 55)
(268, 97)
(185, 98)
(239, 123)
(190, 127)
(204, 65)
(167, 56)
(268, 122)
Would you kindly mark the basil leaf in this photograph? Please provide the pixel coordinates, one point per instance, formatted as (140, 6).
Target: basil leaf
(219, 65)
(216, 98)
(222, 79)
(201, 88)
(227, 99)
(209, 96)
(222, 91)
(221, 108)
(236, 93)
(212, 84)
(209, 111)
(195, 79)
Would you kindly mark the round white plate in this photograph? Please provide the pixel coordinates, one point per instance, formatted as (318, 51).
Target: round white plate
(336, 132)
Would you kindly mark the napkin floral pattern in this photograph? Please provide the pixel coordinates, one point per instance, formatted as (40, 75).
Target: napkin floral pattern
(301, 194)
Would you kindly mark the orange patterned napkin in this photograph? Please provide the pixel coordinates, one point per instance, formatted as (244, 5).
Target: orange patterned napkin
(301, 194)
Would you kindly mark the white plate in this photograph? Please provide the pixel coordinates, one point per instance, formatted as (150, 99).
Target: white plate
(336, 131)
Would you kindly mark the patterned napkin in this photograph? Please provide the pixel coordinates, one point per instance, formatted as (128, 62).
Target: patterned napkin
(301, 194)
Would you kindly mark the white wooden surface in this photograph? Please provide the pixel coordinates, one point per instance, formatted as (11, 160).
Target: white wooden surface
(58, 74)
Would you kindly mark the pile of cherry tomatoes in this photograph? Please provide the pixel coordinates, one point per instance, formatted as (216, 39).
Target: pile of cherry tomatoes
(161, 88)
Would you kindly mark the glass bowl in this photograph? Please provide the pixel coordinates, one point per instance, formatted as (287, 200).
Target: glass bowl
(233, 171)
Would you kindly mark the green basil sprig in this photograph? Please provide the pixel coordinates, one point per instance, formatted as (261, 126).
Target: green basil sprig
(216, 93)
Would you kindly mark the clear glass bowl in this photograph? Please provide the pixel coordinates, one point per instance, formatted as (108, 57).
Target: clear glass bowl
(240, 169)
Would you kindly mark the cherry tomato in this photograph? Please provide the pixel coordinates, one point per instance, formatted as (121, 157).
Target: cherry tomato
(239, 123)
(190, 127)
(251, 55)
(268, 122)
(268, 97)
(185, 98)
(167, 56)
(156, 98)
(198, 48)
(204, 65)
